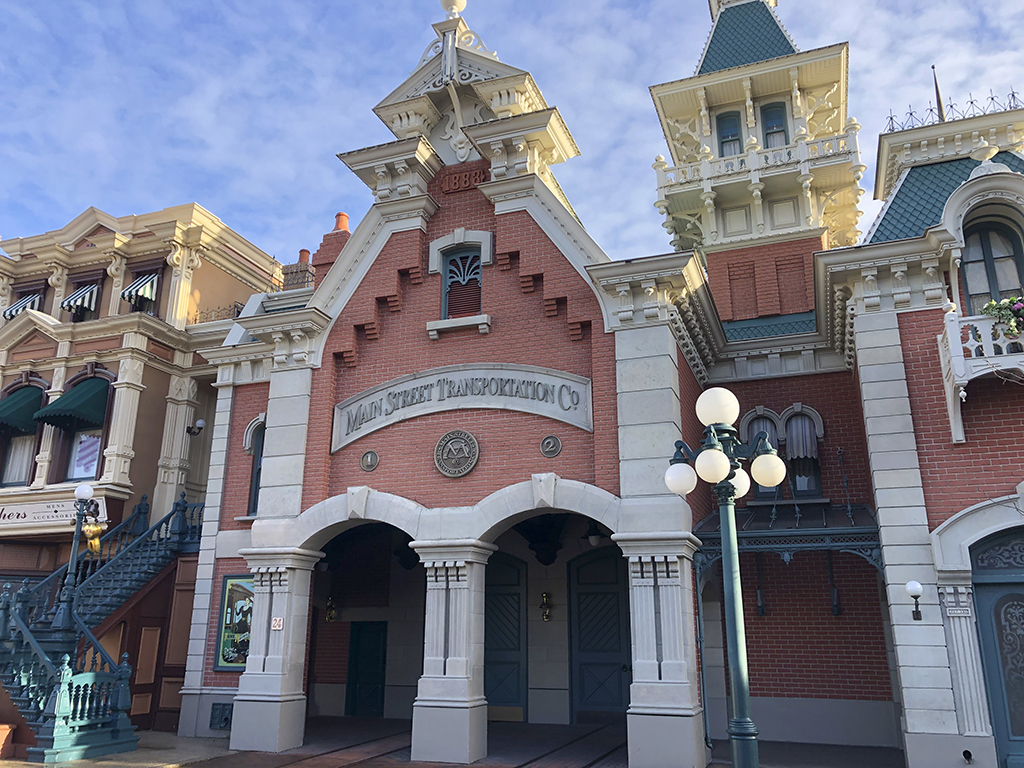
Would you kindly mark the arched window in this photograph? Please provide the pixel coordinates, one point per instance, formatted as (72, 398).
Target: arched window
(19, 434)
(765, 424)
(82, 415)
(462, 292)
(992, 265)
(730, 140)
(773, 117)
(802, 456)
(257, 468)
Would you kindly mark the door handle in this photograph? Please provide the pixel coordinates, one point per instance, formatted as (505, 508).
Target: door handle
(626, 668)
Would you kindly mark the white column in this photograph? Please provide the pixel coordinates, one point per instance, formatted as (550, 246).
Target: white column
(46, 445)
(127, 390)
(449, 718)
(172, 467)
(965, 659)
(270, 708)
(284, 444)
(665, 719)
(195, 712)
(183, 262)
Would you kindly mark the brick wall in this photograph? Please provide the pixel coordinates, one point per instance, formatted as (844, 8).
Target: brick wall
(799, 649)
(764, 280)
(543, 313)
(836, 397)
(988, 465)
(249, 402)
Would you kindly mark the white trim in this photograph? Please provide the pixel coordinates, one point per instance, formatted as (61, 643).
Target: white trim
(250, 431)
(761, 412)
(461, 237)
(952, 541)
(805, 410)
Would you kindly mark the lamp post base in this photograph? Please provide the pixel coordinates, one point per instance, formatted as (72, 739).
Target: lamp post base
(743, 742)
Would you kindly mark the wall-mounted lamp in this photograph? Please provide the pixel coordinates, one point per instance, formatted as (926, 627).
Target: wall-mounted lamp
(545, 606)
(915, 590)
(594, 534)
(197, 428)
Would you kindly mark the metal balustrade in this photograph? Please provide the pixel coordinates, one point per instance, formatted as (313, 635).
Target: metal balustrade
(78, 707)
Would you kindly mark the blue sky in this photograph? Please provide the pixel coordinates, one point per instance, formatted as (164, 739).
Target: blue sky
(241, 105)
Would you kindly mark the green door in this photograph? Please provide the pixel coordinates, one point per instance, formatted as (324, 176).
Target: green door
(999, 600)
(364, 692)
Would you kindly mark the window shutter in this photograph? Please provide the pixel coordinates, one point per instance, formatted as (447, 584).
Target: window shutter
(462, 285)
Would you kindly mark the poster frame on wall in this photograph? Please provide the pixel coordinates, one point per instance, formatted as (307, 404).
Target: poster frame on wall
(225, 622)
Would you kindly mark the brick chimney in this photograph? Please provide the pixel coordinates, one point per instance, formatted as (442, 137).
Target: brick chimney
(299, 275)
(331, 247)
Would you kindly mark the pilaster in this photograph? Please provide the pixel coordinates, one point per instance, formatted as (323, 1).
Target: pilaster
(449, 720)
(46, 445)
(183, 261)
(127, 390)
(194, 715)
(665, 718)
(284, 446)
(173, 465)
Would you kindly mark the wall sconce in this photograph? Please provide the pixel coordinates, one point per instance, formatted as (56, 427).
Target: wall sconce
(332, 611)
(915, 590)
(594, 534)
(193, 431)
(545, 606)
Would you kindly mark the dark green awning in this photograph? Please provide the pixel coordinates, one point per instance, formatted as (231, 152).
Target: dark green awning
(17, 408)
(82, 406)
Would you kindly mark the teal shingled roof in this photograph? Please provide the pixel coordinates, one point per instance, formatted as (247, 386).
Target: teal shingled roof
(744, 34)
(918, 203)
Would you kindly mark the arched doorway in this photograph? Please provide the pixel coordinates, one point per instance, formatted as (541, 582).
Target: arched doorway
(998, 576)
(366, 627)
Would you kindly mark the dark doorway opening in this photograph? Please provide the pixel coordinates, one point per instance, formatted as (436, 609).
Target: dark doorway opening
(364, 695)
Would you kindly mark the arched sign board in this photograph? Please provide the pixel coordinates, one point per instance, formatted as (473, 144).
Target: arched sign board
(554, 394)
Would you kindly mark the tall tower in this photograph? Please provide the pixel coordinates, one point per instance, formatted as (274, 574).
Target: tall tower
(762, 149)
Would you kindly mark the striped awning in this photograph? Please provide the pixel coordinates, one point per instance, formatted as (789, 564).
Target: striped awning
(31, 301)
(141, 288)
(82, 298)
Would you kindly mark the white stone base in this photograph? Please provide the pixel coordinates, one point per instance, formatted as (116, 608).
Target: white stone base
(940, 750)
(666, 741)
(449, 734)
(194, 720)
(268, 726)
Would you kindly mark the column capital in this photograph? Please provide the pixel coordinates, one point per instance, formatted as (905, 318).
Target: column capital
(454, 551)
(274, 558)
(659, 543)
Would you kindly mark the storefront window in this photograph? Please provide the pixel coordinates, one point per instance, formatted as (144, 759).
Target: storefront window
(18, 460)
(85, 454)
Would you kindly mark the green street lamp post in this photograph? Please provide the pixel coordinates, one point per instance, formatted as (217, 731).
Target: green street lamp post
(718, 462)
(84, 507)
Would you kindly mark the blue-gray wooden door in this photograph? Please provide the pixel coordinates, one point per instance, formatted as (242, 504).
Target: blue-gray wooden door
(599, 636)
(505, 661)
(999, 600)
(367, 657)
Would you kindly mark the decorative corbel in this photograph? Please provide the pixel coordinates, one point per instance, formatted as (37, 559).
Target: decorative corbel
(705, 117)
(751, 122)
(755, 190)
(58, 281)
(652, 306)
(900, 286)
(934, 288)
(5, 293)
(625, 310)
(116, 270)
(798, 102)
(711, 220)
(383, 191)
(300, 347)
(280, 349)
(872, 296)
(499, 160)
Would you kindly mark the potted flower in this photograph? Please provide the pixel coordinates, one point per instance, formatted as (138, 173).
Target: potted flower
(1009, 311)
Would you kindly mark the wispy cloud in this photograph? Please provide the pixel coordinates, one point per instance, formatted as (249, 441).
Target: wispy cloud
(135, 105)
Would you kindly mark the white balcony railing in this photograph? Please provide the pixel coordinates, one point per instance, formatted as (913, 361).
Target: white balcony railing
(802, 155)
(972, 347)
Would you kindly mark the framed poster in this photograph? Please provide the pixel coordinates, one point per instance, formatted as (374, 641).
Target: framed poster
(235, 620)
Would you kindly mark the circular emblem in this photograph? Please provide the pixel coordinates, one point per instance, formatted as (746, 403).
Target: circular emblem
(456, 453)
(550, 446)
(369, 461)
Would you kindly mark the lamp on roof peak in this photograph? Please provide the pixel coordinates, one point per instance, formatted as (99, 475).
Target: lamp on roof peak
(453, 7)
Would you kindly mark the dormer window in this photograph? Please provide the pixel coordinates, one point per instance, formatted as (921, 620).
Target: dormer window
(730, 140)
(992, 264)
(462, 291)
(773, 117)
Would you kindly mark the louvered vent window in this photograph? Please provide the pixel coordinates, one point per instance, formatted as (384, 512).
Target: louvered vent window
(462, 284)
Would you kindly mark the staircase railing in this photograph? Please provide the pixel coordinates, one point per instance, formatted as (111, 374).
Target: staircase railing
(31, 674)
(176, 532)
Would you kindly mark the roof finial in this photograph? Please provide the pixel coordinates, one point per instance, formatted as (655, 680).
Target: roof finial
(938, 96)
(453, 7)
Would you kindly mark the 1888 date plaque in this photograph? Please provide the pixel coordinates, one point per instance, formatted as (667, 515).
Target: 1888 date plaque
(456, 453)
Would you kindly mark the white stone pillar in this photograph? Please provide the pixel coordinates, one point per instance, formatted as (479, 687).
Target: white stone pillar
(965, 659)
(270, 708)
(172, 467)
(195, 713)
(284, 444)
(665, 720)
(184, 261)
(127, 390)
(46, 446)
(449, 717)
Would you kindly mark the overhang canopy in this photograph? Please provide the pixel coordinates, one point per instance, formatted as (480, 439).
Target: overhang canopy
(17, 409)
(83, 406)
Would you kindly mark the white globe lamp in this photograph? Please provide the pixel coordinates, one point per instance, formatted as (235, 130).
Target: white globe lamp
(717, 406)
(83, 492)
(768, 470)
(712, 466)
(741, 482)
(680, 479)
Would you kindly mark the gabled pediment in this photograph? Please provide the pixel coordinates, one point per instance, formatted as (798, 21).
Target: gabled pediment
(28, 332)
